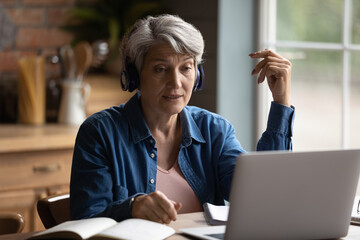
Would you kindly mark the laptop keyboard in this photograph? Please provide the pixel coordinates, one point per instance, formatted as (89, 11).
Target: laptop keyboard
(216, 235)
(355, 220)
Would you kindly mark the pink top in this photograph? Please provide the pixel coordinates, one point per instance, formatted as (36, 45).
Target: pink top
(174, 185)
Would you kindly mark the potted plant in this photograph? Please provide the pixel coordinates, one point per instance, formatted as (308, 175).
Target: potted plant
(91, 20)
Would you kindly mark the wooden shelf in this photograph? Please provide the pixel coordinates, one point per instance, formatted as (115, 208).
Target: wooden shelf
(105, 92)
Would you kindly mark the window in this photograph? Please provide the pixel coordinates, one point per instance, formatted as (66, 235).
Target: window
(322, 40)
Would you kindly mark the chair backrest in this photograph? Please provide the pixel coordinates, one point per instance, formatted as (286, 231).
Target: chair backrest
(11, 223)
(54, 209)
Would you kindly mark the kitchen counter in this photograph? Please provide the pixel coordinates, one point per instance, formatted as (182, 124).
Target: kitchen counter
(105, 92)
(20, 138)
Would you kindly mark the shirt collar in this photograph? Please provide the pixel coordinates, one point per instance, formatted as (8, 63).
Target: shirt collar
(190, 128)
(139, 130)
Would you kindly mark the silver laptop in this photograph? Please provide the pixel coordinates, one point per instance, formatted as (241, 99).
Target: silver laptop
(289, 195)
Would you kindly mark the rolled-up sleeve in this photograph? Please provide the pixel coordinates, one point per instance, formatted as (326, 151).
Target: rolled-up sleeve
(279, 131)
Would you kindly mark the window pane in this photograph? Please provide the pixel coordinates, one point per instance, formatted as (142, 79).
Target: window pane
(309, 20)
(316, 95)
(354, 130)
(355, 21)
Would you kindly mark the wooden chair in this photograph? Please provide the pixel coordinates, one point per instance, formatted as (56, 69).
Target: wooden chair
(11, 223)
(54, 209)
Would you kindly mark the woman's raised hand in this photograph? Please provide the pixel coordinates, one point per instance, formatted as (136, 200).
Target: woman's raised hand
(277, 70)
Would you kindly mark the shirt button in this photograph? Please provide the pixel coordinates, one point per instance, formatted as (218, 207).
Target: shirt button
(152, 181)
(151, 141)
(152, 155)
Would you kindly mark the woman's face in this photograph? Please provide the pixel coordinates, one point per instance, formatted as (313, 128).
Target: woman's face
(166, 81)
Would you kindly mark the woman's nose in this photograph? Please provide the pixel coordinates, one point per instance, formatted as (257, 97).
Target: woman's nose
(174, 79)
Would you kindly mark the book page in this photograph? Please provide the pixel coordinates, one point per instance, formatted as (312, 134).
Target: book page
(79, 229)
(136, 229)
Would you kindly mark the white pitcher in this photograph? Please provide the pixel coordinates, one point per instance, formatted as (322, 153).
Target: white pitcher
(73, 102)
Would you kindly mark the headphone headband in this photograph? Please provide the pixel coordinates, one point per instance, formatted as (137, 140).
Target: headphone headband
(130, 79)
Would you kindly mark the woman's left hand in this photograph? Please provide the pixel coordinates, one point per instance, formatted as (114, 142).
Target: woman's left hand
(277, 70)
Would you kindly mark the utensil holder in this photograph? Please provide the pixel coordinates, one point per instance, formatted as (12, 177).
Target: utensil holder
(73, 102)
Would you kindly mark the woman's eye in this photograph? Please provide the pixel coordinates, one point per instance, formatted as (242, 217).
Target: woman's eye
(159, 69)
(187, 69)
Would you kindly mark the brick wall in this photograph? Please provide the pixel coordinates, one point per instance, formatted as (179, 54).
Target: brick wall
(37, 30)
(37, 23)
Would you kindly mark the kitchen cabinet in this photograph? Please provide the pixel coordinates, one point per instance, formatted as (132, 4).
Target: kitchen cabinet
(35, 161)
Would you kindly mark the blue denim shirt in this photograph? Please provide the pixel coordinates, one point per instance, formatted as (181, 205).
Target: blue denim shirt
(115, 157)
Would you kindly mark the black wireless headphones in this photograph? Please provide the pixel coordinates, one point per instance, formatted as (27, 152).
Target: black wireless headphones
(130, 78)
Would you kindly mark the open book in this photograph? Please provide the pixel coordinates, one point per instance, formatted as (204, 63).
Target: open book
(106, 228)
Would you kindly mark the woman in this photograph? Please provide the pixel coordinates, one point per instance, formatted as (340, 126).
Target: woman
(155, 157)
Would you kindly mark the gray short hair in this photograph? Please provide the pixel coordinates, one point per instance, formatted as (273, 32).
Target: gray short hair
(150, 31)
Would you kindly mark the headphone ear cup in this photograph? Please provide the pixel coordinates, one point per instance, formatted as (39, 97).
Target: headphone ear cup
(124, 81)
(133, 77)
(200, 77)
(129, 78)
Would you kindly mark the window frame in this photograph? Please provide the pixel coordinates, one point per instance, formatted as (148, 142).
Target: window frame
(267, 39)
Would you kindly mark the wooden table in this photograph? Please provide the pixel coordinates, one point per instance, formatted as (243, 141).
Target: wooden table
(183, 221)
